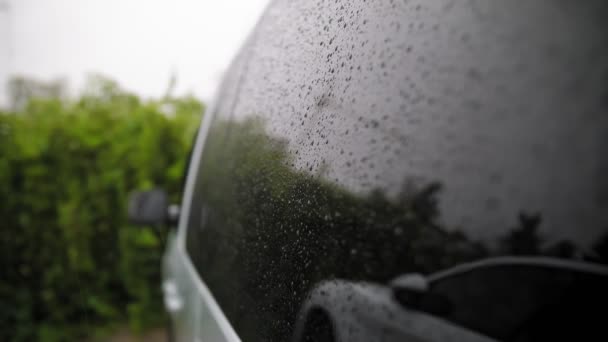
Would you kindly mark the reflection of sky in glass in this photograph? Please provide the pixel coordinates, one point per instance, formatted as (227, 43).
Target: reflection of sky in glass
(435, 103)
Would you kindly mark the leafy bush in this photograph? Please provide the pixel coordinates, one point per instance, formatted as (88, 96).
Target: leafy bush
(70, 264)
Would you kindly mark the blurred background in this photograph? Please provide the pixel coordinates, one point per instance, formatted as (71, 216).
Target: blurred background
(98, 98)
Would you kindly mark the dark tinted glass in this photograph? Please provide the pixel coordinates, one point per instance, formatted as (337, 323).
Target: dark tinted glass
(362, 140)
(527, 303)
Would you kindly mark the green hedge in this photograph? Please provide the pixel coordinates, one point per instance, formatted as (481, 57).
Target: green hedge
(70, 264)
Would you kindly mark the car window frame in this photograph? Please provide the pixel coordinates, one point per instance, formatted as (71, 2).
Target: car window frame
(545, 262)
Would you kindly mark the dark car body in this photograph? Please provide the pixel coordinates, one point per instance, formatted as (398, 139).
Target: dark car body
(353, 142)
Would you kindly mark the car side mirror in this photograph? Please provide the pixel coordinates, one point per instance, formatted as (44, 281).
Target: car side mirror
(413, 291)
(151, 208)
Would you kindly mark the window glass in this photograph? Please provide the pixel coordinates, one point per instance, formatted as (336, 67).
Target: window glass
(526, 303)
(362, 140)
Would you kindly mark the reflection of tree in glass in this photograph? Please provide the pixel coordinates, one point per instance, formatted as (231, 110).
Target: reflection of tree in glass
(525, 239)
(273, 232)
(600, 250)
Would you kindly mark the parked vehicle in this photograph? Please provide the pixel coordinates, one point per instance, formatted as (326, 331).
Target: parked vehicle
(399, 171)
(495, 299)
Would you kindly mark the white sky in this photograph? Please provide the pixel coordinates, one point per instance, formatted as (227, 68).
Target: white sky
(139, 43)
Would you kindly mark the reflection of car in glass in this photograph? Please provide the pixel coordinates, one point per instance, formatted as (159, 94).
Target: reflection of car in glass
(497, 299)
(354, 142)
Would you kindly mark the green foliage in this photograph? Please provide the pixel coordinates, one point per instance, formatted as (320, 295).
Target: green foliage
(70, 264)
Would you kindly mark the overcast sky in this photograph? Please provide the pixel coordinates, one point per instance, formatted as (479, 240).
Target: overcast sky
(139, 43)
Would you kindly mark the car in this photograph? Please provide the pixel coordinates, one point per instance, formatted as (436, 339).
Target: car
(494, 299)
(398, 171)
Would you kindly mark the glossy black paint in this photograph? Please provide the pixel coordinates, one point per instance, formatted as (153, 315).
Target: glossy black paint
(527, 302)
(361, 140)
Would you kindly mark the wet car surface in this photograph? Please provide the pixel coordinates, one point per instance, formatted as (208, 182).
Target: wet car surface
(357, 141)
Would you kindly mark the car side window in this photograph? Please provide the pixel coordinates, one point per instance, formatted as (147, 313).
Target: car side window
(526, 302)
(363, 140)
